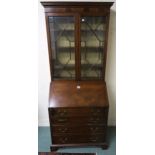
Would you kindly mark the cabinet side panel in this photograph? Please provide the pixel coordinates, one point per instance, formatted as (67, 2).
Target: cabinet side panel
(49, 44)
(105, 47)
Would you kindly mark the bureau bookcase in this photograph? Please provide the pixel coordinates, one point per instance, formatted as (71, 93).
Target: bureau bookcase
(77, 35)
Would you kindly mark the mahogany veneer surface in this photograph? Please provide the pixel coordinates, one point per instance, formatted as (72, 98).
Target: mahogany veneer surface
(78, 113)
(78, 110)
(66, 94)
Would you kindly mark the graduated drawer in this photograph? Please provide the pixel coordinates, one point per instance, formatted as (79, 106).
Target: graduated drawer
(78, 120)
(60, 129)
(70, 112)
(71, 139)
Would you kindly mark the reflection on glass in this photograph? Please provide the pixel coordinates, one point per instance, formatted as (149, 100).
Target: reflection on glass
(63, 47)
(92, 47)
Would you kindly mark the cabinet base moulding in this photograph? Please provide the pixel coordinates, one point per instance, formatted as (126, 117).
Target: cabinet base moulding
(101, 145)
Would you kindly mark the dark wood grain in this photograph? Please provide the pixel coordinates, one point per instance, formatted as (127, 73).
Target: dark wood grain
(81, 113)
(68, 4)
(80, 120)
(78, 129)
(90, 94)
(72, 112)
(78, 110)
(78, 48)
(49, 46)
(76, 10)
(77, 71)
(78, 116)
(106, 44)
(78, 7)
(63, 139)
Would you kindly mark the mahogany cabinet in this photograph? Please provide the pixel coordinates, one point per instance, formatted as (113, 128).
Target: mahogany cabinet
(77, 35)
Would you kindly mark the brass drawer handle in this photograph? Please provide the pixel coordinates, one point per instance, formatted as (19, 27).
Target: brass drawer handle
(63, 130)
(58, 113)
(93, 140)
(62, 114)
(63, 140)
(94, 119)
(62, 111)
(94, 128)
(62, 120)
(95, 111)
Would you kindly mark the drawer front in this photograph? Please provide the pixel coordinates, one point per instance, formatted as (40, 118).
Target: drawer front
(91, 130)
(71, 112)
(78, 139)
(79, 120)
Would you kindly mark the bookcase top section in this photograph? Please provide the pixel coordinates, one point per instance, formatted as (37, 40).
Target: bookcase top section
(78, 94)
(56, 3)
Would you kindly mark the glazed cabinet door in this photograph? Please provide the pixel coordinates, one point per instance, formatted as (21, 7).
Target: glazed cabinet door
(77, 56)
(92, 47)
(62, 37)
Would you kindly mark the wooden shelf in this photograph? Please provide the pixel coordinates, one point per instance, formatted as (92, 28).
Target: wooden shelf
(60, 67)
(72, 49)
(94, 66)
(83, 66)
(73, 31)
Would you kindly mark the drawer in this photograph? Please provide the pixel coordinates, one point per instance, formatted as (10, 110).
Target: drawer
(71, 139)
(60, 129)
(70, 112)
(79, 120)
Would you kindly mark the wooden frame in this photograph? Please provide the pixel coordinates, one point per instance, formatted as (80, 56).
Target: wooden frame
(77, 10)
(68, 96)
(47, 15)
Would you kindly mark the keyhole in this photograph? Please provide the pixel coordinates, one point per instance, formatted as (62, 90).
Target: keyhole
(78, 87)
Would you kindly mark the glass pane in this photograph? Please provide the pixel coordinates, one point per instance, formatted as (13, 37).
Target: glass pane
(63, 47)
(92, 47)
